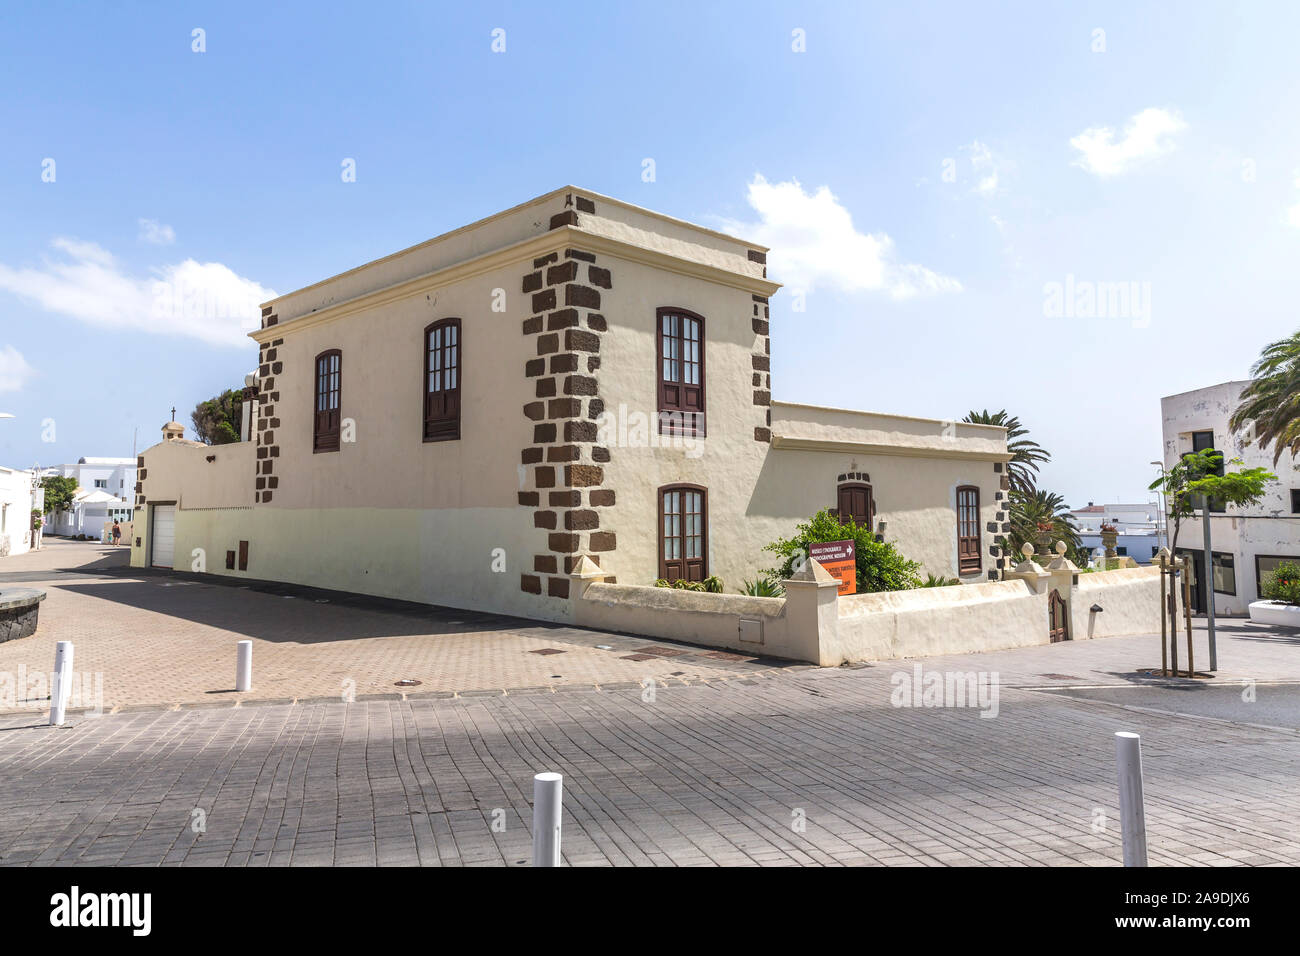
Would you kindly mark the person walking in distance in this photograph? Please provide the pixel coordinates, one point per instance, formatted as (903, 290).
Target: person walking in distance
(117, 533)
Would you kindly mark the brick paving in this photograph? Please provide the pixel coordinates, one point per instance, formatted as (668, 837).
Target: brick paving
(713, 772)
(158, 639)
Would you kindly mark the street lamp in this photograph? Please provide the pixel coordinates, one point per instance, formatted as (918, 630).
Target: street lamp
(1163, 511)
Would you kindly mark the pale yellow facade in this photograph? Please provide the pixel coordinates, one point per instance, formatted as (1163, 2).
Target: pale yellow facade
(558, 455)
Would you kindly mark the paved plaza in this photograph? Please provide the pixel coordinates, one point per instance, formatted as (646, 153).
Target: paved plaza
(157, 639)
(727, 763)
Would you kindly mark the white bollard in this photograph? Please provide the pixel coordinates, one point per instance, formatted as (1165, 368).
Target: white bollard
(61, 682)
(244, 666)
(1132, 813)
(548, 792)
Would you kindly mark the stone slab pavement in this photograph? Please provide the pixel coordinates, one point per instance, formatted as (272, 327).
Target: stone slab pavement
(159, 639)
(728, 763)
(814, 767)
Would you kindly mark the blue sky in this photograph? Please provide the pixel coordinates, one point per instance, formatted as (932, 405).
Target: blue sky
(924, 174)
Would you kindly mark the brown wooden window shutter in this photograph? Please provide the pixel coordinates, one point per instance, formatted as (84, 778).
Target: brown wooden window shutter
(856, 502)
(442, 380)
(680, 341)
(329, 401)
(683, 533)
(968, 529)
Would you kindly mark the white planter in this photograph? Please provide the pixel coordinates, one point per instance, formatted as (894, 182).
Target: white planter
(1275, 612)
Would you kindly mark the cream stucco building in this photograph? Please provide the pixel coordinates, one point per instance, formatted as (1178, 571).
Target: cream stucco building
(460, 422)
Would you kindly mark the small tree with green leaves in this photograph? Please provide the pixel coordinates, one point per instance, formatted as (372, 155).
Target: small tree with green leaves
(1195, 477)
(59, 492)
(217, 420)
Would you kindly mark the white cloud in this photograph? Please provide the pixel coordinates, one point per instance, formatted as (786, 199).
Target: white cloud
(160, 234)
(813, 241)
(204, 300)
(1147, 135)
(14, 370)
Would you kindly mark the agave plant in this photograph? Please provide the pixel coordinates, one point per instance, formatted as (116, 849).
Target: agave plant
(763, 587)
(1026, 455)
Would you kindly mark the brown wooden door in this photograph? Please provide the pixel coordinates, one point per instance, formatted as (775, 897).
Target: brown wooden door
(442, 374)
(681, 370)
(328, 401)
(968, 530)
(683, 536)
(1058, 626)
(855, 502)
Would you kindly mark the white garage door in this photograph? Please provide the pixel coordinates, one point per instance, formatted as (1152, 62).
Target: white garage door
(163, 535)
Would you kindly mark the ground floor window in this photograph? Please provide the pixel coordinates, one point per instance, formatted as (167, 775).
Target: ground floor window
(1266, 564)
(1224, 567)
(683, 533)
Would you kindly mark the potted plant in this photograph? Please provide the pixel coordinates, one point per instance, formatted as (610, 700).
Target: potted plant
(1281, 589)
(1109, 538)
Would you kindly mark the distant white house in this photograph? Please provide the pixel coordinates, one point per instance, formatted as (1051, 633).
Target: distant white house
(1247, 543)
(105, 490)
(1141, 528)
(17, 499)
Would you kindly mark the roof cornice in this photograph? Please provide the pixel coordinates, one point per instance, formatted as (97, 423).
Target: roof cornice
(562, 237)
(874, 448)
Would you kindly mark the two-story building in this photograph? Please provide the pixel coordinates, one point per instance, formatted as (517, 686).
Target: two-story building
(1246, 542)
(460, 422)
(105, 487)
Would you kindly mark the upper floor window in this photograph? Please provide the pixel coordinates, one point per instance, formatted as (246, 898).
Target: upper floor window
(101, 482)
(681, 372)
(442, 380)
(683, 533)
(329, 383)
(968, 529)
(855, 502)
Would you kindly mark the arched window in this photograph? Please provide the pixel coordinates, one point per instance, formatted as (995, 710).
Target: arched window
(442, 380)
(968, 530)
(855, 501)
(329, 401)
(683, 533)
(681, 372)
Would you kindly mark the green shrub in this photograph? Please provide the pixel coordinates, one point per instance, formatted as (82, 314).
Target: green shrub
(1283, 583)
(763, 587)
(880, 566)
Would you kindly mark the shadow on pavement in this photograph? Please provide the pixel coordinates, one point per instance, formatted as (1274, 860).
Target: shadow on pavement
(303, 615)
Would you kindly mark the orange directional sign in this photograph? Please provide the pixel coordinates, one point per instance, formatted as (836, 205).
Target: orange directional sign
(840, 559)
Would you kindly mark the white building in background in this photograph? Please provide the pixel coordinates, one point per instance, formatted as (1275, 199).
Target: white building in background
(1249, 542)
(1141, 528)
(17, 499)
(105, 490)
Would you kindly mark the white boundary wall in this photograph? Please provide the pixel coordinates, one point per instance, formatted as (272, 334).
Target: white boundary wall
(811, 624)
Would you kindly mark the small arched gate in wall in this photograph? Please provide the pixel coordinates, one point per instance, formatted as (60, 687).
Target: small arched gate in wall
(1058, 621)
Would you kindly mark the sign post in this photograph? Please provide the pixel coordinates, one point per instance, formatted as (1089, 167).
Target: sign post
(840, 559)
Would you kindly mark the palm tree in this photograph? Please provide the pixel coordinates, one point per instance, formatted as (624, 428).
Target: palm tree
(1040, 518)
(1022, 469)
(1272, 399)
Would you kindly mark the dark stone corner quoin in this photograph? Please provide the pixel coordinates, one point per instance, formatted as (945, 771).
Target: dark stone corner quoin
(19, 610)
